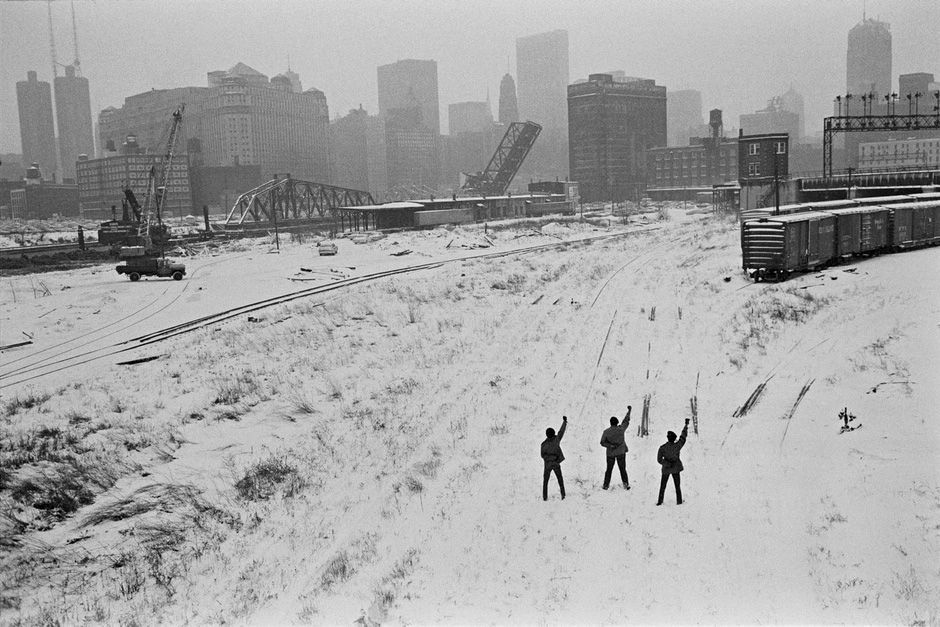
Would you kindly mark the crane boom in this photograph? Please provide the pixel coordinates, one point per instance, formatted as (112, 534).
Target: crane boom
(156, 194)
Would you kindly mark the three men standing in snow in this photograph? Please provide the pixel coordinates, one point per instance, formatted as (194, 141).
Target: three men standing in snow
(613, 440)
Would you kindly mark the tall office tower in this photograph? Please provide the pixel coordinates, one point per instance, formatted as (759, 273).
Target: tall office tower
(412, 155)
(868, 62)
(471, 142)
(775, 118)
(542, 81)
(611, 126)
(683, 116)
(469, 117)
(792, 101)
(357, 144)
(73, 113)
(409, 83)
(508, 106)
(37, 129)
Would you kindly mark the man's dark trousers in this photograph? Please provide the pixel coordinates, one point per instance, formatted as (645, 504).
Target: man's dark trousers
(622, 464)
(549, 468)
(662, 487)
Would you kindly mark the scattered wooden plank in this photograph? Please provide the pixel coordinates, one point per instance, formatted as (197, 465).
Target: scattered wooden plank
(15, 345)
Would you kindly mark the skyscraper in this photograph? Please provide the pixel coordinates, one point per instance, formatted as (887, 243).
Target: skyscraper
(868, 61)
(409, 83)
(542, 73)
(611, 126)
(73, 113)
(357, 144)
(792, 101)
(469, 117)
(37, 129)
(408, 100)
(508, 105)
(683, 116)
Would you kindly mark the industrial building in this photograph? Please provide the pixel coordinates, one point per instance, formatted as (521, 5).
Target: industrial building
(611, 126)
(101, 184)
(763, 166)
(899, 153)
(38, 199)
(675, 172)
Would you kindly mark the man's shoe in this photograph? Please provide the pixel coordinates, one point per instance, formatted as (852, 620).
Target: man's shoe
(626, 486)
(562, 497)
(660, 503)
(678, 502)
(604, 487)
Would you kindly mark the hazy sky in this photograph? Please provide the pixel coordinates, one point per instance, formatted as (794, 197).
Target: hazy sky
(737, 53)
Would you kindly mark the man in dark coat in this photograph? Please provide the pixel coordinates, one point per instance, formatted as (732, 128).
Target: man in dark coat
(613, 441)
(668, 457)
(552, 455)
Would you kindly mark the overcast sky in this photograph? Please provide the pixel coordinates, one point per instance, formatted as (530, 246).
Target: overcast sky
(737, 53)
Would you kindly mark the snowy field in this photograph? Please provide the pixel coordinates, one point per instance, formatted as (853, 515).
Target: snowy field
(372, 454)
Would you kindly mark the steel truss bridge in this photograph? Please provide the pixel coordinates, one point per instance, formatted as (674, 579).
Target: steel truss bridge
(292, 199)
(866, 123)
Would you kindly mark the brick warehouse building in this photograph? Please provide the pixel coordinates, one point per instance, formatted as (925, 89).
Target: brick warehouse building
(101, 183)
(611, 125)
(763, 168)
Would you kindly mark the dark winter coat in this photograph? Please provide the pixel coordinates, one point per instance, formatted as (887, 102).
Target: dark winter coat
(613, 439)
(668, 454)
(551, 448)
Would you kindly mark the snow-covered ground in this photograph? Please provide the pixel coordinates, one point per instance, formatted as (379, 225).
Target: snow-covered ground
(374, 455)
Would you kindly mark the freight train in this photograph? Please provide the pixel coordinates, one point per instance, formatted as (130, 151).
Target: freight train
(775, 246)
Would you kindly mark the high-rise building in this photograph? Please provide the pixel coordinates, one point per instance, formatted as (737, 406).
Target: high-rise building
(542, 81)
(508, 105)
(241, 119)
(37, 128)
(411, 83)
(469, 117)
(412, 153)
(683, 116)
(611, 126)
(471, 142)
(73, 114)
(868, 61)
(357, 144)
(773, 119)
(792, 101)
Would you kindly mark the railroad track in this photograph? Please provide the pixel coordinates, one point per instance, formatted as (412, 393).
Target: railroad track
(27, 369)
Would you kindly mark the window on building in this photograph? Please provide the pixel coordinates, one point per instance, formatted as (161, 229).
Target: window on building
(753, 169)
(753, 149)
(780, 148)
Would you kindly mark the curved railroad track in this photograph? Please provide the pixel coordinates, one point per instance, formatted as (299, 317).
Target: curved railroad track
(34, 369)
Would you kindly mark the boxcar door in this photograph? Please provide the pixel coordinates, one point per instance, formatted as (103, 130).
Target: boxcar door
(796, 245)
(825, 248)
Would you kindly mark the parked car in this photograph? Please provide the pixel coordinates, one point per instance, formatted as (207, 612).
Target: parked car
(327, 247)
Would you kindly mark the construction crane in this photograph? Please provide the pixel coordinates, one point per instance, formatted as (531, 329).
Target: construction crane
(151, 217)
(494, 180)
(148, 256)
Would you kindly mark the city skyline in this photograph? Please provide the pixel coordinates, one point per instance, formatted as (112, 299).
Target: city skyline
(707, 46)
